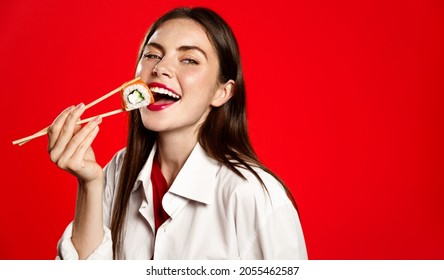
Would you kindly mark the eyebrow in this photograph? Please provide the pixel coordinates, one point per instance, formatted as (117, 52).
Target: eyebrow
(181, 48)
(186, 48)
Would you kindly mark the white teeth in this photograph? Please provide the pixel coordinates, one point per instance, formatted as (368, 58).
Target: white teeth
(164, 91)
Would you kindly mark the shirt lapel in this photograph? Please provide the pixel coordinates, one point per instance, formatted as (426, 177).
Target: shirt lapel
(195, 181)
(144, 181)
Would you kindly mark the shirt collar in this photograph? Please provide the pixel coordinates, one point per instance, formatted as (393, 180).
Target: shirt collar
(196, 180)
(144, 177)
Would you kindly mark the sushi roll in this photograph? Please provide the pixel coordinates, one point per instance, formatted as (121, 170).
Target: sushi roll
(135, 95)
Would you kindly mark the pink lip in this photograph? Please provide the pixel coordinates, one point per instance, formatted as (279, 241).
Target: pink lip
(159, 107)
(154, 107)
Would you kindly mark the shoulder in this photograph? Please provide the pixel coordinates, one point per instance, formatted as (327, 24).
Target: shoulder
(248, 191)
(117, 160)
(266, 222)
(112, 168)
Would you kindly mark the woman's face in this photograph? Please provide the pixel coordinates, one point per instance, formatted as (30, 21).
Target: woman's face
(180, 66)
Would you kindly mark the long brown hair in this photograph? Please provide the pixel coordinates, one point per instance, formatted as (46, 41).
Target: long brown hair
(224, 134)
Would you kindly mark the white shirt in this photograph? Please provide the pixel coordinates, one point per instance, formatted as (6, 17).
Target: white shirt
(214, 214)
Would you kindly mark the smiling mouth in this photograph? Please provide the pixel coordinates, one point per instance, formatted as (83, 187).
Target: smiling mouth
(162, 95)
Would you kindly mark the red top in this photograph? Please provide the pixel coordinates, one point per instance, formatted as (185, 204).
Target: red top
(160, 187)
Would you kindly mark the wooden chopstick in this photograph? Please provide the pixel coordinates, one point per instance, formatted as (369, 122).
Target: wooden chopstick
(44, 131)
(110, 94)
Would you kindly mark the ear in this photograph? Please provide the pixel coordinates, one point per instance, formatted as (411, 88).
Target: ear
(223, 94)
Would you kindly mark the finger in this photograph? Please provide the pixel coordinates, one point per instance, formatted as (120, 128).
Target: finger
(77, 128)
(54, 128)
(80, 153)
(78, 140)
(66, 132)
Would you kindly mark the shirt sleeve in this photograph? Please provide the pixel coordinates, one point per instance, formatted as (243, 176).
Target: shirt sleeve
(267, 223)
(65, 247)
(280, 235)
(67, 251)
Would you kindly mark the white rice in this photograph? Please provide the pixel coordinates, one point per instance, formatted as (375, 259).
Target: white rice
(130, 101)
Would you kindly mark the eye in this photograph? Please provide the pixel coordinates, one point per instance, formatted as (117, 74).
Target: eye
(190, 61)
(151, 56)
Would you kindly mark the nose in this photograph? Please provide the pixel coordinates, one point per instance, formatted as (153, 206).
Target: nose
(163, 68)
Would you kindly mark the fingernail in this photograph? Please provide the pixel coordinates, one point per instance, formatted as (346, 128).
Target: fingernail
(80, 105)
(97, 119)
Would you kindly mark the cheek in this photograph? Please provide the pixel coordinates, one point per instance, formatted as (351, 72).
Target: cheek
(199, 85)
(143, 67)
(139, 68)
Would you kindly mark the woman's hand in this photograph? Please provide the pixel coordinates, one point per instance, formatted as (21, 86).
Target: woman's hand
(69, 145)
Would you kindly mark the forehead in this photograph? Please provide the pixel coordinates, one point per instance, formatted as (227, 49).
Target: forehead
(181, 32)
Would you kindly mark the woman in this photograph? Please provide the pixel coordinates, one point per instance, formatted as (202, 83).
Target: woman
(188, 185)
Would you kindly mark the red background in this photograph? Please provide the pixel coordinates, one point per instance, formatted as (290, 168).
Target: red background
(345, 104)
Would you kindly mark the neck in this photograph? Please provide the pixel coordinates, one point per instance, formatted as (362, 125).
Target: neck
(173, 151)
